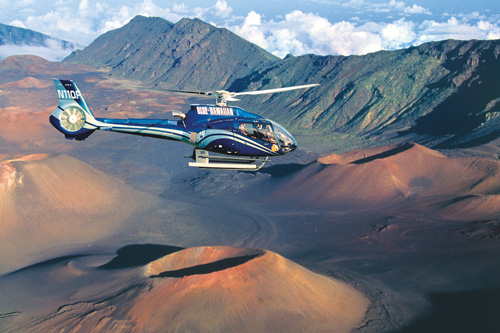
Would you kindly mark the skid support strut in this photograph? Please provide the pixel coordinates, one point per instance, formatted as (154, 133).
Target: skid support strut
(245, 163)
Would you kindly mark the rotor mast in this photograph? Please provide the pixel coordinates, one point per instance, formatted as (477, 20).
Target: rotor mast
(222, 96)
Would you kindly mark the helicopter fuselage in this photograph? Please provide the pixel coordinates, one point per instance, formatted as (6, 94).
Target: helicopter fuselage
(227, 130)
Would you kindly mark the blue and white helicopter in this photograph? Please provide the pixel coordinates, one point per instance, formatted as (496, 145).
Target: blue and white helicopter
(242, 140)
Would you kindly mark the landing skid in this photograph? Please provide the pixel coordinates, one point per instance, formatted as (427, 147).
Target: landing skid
(243, 163)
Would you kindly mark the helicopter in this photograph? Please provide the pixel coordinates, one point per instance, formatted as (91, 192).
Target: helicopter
(224, 137)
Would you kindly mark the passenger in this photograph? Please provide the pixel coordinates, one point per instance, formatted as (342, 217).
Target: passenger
(241, 128)
(266, 133)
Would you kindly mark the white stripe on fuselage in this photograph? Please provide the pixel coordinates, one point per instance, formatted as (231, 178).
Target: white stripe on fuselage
(143, 129)
(239, 138)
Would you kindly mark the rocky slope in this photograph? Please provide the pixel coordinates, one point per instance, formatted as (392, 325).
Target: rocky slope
(457, 187)
(210, 289)
(50, 204)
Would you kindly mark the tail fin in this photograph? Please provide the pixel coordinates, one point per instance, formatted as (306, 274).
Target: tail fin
(73, 116)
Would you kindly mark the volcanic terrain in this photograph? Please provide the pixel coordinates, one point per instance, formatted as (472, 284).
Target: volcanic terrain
(201, 289)
(54, 202)
(368, 226)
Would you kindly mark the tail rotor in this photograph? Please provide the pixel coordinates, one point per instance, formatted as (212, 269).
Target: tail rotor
(72, 119)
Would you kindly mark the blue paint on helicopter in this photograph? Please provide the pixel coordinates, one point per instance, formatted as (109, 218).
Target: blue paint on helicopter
(219, 128)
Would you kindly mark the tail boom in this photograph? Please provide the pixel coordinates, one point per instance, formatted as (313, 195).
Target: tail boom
(75, 120)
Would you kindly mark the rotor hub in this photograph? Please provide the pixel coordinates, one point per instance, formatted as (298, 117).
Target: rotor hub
(72, 119)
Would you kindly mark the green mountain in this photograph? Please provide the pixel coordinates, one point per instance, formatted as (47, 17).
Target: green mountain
(441, 94)
(190, 54)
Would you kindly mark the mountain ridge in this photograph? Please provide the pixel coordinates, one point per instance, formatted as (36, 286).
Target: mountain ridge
(392, 90)
(419, 94)
(21, 37)
(159, 51)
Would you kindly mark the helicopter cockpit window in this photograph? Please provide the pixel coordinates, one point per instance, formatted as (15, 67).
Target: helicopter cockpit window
(259, 131)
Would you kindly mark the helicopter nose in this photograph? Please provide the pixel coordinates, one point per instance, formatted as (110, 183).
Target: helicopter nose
(286, 140)
(293, 145)
(289, 144)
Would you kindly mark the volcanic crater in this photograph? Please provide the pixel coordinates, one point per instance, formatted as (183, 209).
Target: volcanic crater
(201, 260)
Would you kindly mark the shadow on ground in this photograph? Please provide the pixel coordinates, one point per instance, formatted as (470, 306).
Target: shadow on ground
(139, 254)
(210, 267)
(471, 311)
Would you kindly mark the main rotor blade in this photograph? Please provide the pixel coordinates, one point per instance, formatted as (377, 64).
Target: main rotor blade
(207, 93)
(276, 90)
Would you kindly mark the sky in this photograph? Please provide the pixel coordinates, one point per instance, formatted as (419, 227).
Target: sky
(298, 27)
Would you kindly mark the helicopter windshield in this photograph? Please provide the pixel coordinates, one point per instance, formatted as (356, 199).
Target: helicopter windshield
(286, 140)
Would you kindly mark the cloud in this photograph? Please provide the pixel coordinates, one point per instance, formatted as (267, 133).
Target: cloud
(252, 31)
(53, 50)
(492, 31)
(455, 29)
(397, 34)
(83, 21)
(222, 9)
(391, 6)
(415, 9)
(17, 23)
(301, 33)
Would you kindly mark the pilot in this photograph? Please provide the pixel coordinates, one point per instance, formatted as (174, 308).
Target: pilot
(241, 128)
(250, 131)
